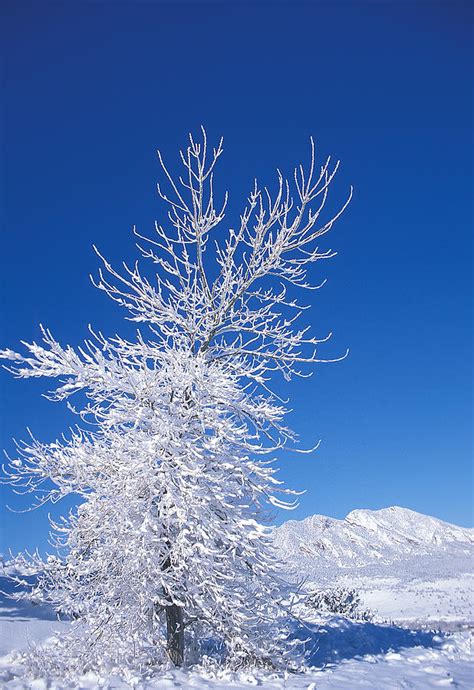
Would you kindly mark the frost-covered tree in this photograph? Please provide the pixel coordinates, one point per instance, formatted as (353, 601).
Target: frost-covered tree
(168, 548)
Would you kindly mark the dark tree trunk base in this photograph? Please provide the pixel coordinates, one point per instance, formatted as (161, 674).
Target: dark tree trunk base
(175, 634)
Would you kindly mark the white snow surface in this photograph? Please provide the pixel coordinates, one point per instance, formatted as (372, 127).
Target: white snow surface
(413, 570)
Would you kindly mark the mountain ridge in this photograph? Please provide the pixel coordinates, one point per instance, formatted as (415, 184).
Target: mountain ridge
(405, 566)
(366, 537)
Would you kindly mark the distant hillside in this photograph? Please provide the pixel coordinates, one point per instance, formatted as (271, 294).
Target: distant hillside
(404, 564)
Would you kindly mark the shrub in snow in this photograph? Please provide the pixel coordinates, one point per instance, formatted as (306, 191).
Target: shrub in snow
(168, 547)
(339, 601)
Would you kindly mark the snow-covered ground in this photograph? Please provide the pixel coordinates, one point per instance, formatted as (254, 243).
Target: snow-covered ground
(415, 572)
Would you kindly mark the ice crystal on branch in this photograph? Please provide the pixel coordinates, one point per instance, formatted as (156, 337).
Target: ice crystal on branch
(168, 546)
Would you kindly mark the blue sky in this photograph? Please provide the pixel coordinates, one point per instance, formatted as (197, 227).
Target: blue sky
(93, 88)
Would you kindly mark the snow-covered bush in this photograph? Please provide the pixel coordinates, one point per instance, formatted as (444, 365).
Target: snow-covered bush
(167, 548)
(339, 601)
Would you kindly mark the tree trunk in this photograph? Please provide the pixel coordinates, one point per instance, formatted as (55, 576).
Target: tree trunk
(174, 613)
(175, 634)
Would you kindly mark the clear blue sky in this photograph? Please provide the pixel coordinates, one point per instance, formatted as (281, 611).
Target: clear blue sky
(93, 88)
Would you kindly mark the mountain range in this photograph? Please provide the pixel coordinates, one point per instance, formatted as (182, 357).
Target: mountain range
(404, 564)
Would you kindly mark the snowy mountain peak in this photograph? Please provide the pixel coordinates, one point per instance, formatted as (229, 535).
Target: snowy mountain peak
(412, 525)
(367, 537)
